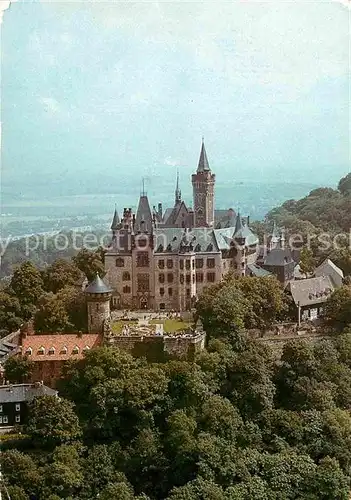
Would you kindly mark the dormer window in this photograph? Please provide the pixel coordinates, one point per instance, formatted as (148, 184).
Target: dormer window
(51, 350)
(64, 350)
(41, 350)
(75, 350)
(29, 351)
(86, 348)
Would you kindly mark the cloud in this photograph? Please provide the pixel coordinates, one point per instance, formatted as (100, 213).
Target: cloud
(50, 105)
(172, 162)
(4, 5)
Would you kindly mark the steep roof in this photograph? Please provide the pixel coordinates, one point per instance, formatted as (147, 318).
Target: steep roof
(97, 286)
(224, 218)
(63, 345)
(328, 268)
(115, 220)
(311, 291)
(278, 257)
(203, 161)
(18, 393)
(171, 239)
(143, 218)
(258, 271)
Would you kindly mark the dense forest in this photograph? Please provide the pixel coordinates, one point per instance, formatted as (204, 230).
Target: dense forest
(235, 424)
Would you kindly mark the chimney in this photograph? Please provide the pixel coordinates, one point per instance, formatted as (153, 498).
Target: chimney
(160, 209)
(248, 220)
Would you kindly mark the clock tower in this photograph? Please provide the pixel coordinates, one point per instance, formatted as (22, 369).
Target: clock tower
(203, 192)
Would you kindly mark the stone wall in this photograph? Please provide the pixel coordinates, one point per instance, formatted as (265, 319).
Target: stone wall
(182, 346)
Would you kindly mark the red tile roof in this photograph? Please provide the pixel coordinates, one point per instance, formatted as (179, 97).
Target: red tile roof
(59, 347)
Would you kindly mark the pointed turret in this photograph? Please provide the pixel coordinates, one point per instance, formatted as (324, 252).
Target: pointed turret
(115, 221)
(143, 219)
(238, 224)
(178, 193)
(203, 165)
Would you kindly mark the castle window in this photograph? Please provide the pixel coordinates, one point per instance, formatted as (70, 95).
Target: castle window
(159, 248)
(211, 277)
(75, 350)
(162, 291)
(193, 264)
(143, 283)
(161, 278)
(18, 406)
(188, 278)
(141, 242)
(51, 350)
(162, 305)
(169, 264)
(126, 289)
(5, 419)
(161, 264)
(199, 277)
(169, 248)
(0, 408)
(210, 263)
(18, 419)
(181, 264)
(170, 292)
(188, 292)
(199, 263)
(126, 276)
(193, 278)
(142, 259)
(187, 264)
(170, 278)
(181, 278)
(29, 351)
(97, 307)
(41, 350)
(209, 248)
(119, 262)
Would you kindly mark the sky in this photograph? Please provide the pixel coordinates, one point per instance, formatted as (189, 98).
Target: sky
(96, 95)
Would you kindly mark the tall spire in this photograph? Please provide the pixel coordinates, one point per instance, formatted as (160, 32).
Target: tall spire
(238, 224)
(143, 193)
(178, 193)
(203, 161)
(115, 220)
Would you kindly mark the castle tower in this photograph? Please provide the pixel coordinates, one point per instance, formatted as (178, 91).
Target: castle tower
(98, 304)
(177, 193)
(115, 224)
(203, 192)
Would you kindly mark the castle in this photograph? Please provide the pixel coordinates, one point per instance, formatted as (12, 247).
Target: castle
(162, 260)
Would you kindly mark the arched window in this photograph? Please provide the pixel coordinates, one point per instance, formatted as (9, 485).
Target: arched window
(126, 276)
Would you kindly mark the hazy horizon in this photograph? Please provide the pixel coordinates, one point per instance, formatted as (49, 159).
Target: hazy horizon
(96, 96)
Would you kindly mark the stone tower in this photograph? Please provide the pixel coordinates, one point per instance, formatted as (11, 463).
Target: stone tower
(203, 192)
(98, 304)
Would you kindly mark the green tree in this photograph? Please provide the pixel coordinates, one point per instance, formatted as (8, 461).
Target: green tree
(27, 285)
(344, 185)
(60, 274)
(338, 307)
(197, 490)
(18, 369)
(10, 312)
(52, 421)
(90, 263)
(21, 470)
(51, 315)
(307, 262)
